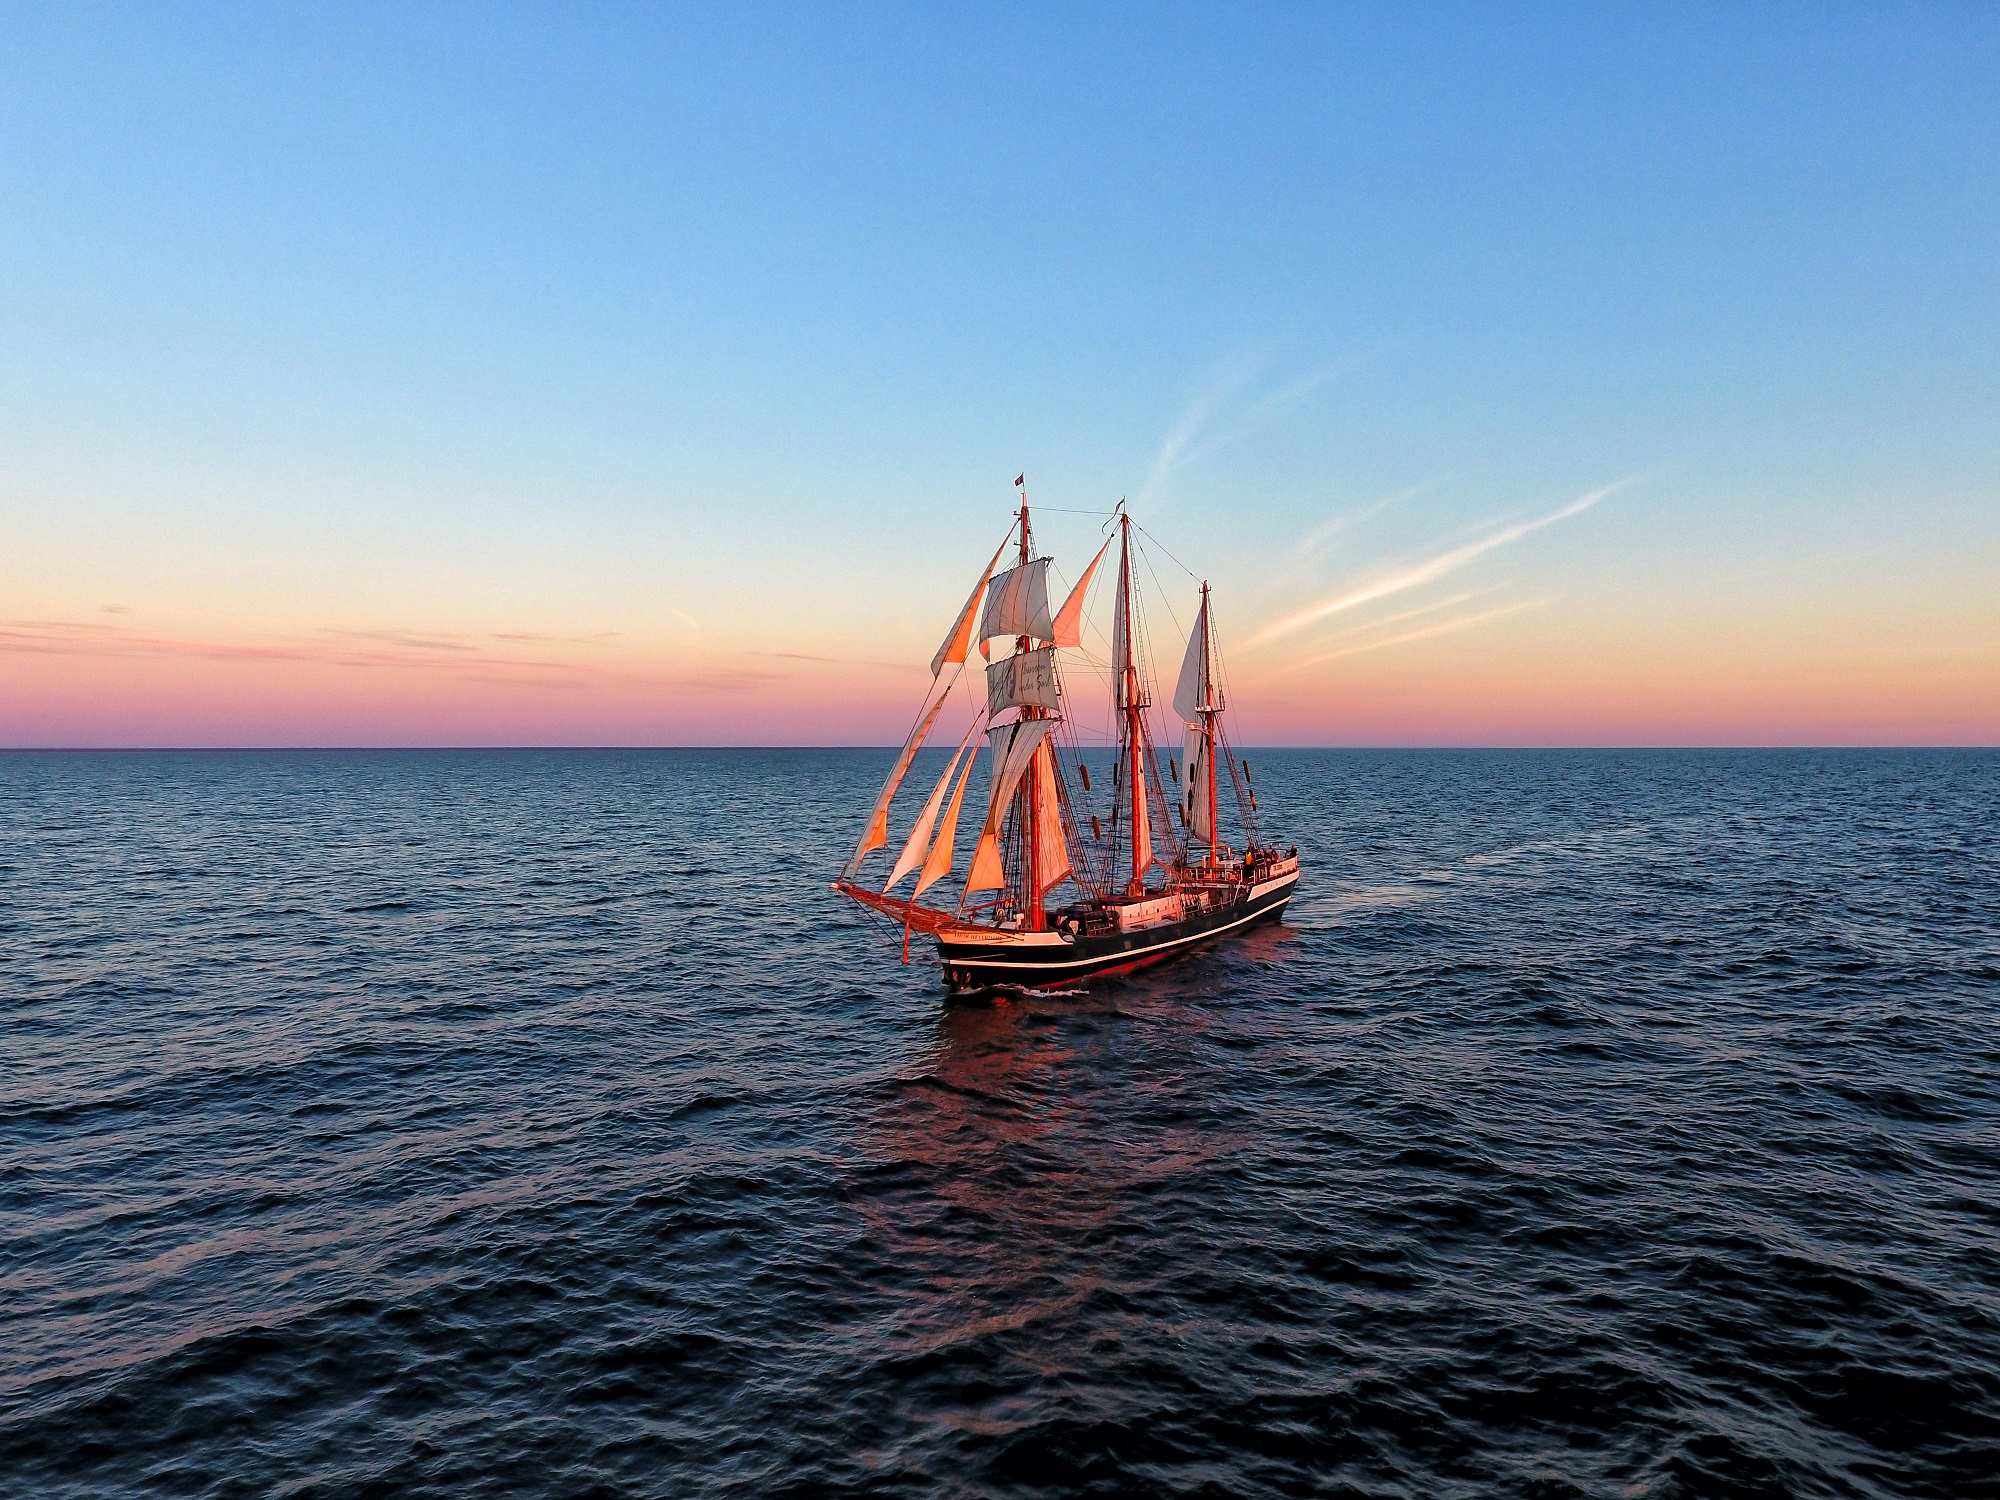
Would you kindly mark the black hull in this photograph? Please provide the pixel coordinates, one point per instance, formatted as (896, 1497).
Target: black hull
(978, 964)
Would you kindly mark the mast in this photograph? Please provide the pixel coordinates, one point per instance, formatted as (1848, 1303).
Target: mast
(1129, 700)
(1208, 722)
(1198, 706)
(1030, 804)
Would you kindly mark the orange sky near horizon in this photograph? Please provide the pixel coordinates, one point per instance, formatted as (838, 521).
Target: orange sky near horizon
(1549, 677)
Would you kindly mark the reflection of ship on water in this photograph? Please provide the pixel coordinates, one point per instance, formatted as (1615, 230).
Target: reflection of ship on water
(1012, 1199)
(1075, 890)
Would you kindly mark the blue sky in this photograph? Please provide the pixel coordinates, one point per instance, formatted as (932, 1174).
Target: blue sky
(725, 329)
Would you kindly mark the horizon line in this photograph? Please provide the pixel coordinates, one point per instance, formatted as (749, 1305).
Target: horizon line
(377, 749)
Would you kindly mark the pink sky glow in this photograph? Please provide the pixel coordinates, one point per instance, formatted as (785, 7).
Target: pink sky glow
(119, 686)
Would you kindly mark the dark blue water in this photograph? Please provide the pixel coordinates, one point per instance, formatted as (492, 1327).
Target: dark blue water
(539, 1124)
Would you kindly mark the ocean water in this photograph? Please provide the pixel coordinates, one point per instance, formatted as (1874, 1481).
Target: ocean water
(1608, 1124)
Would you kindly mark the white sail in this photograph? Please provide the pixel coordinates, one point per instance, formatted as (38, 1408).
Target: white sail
(1195, 804)
(1051, 848)
(1017, 603)
(938, 865)
(955, 644)
(1069, 619)
(877, 832)
(1028, 678)
(1195, 693)
(1013, 746)
(920, 836)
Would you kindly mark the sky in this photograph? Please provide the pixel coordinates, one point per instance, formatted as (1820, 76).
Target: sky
(658, 375)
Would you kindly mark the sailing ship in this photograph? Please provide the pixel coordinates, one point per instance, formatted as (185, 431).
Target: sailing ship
(1067, 881)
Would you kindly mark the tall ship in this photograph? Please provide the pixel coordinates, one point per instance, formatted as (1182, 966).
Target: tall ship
(1088, 861)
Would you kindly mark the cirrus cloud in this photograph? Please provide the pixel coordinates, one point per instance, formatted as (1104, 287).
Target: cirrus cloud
(1428, 571)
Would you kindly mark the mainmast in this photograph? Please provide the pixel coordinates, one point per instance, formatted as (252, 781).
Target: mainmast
(1030, 805)
(1208, 721)
(1132, 703)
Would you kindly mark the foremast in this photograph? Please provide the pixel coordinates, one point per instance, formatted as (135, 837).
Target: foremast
(1022, 853)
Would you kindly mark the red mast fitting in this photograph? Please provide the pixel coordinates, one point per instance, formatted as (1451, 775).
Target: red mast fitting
(1028, 849)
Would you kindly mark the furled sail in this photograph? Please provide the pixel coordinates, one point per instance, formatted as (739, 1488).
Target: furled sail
(1051, 849)
(939, 864)
(1069, 620)
(1121, 647)
(1195, 803)
(1195, 693)
(955, 644)
(1142, 828)
(1013, 747)
(1017, 603)
(920, 836)
(877, 832)
(1026, 679)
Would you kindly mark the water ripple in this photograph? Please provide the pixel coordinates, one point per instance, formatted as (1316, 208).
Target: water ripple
(1599, 1124)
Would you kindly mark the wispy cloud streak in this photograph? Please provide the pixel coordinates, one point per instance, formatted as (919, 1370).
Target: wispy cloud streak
(1410, 614)
(1443, 627)
(1309, 546)
(336, 648)
(1429, 571)
(1197, 415)
(1212, 420)
(437, 655)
